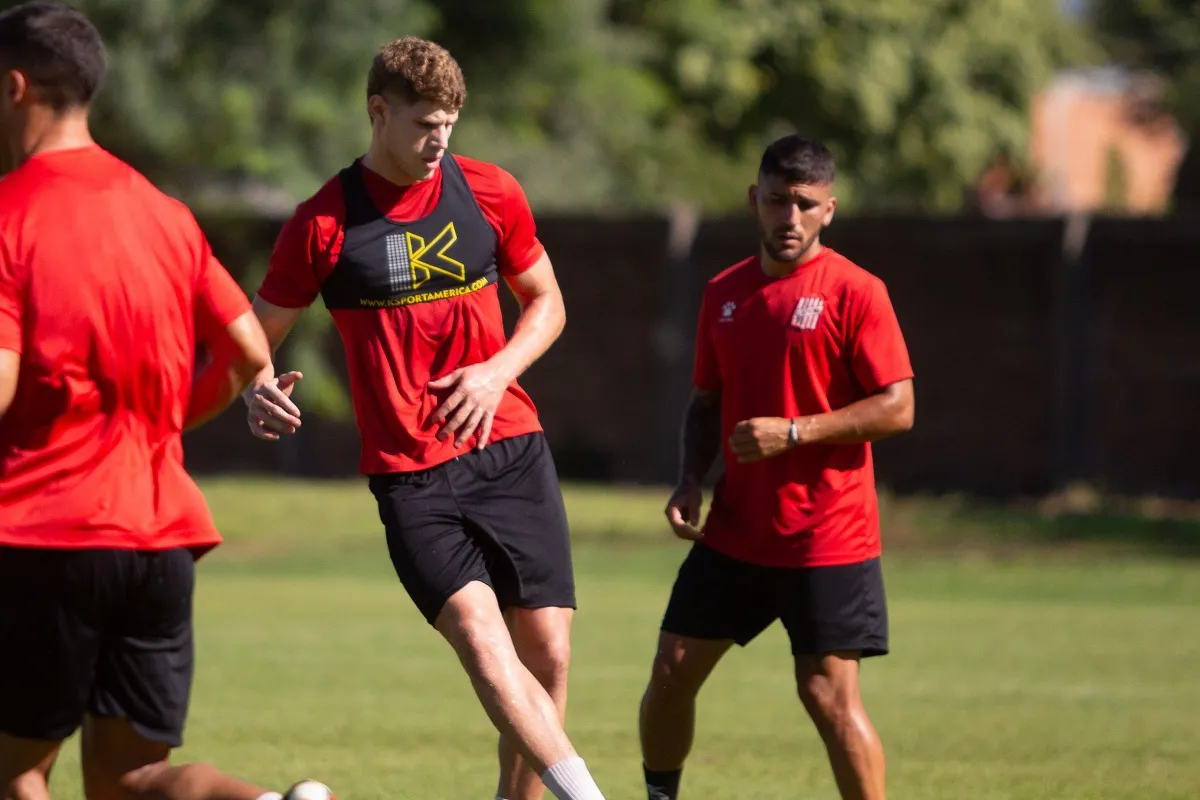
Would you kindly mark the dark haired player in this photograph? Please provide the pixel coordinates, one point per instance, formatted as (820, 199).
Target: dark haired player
(106, 288)
(800, 364)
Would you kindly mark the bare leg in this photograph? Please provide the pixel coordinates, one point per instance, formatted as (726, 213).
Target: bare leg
(119, 764)
(516, 703)
(542, 638)
(25, 766)
(668, 711)
(828, 687)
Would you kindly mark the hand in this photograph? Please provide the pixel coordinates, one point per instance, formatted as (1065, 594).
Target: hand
(271, 410)
(683, 512)
(471, 406)
(759, 438)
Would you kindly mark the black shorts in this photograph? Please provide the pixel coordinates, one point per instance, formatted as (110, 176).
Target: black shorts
(824, 609)
(100, 632)
(494, 516)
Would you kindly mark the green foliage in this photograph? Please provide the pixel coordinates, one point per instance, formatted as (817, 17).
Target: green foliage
(1162, 36)
(915, 96)
(271, 91)
(595, 104)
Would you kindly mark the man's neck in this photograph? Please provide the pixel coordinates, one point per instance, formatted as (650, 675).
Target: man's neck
(47, 132)
(376, 161)
(781, 269)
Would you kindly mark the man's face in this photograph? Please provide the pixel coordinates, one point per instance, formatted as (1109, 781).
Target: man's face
(790, 215)
(414, 135)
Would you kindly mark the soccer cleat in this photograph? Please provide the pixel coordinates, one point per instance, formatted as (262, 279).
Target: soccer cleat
(309, 790)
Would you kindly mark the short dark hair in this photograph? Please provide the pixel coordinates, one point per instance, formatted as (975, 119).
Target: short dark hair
(799, 159)
(58, 49)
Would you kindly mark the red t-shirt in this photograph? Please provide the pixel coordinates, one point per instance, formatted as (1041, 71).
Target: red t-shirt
(105, 286)
(815, 341)
(393, 353)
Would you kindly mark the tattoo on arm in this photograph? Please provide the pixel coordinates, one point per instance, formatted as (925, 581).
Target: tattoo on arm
(701, 438)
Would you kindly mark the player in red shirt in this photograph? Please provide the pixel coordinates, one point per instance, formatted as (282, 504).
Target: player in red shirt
(107, 287)
(800, 365)
(407, 247)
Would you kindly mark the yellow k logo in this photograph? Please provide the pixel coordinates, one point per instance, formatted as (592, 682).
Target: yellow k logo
(439, 262)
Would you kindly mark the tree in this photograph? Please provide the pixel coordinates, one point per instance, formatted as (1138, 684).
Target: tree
(1162, 36)
(915, 97)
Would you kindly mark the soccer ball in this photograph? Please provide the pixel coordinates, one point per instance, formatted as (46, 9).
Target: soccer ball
(309, 790)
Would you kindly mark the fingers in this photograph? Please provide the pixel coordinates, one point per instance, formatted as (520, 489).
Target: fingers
(259, 430)
(462, 413)
(469, 427)
(449, 406)
(266, 426)
(274, 408)
(485, 431)
(287, 380)
(445, 382)
(683, 514)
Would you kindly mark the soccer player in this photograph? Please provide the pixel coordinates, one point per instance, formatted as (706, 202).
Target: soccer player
(407, 247)
(106, 288)
(800, 364)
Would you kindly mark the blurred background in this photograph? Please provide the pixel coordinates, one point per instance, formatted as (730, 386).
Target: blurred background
(1021, 173)
(1024, 175)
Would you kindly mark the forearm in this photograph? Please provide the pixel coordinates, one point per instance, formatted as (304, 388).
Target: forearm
(539, 326)
(215, 387)
(871, 419)
(701, 437)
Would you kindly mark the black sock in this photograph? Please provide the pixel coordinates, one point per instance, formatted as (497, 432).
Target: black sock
(662, 785)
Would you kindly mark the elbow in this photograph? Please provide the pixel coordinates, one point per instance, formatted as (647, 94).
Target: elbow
(903, 419)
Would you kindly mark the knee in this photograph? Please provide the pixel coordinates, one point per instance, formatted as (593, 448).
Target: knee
(30, 785)
(826, 702)
(549, 659)
(670, 678)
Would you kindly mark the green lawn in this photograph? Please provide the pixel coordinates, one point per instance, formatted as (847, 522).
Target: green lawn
(1066, 668)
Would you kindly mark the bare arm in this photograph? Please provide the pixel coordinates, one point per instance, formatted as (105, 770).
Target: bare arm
(888, 412)
(699, 446)
(543, 317)
(701, 436)
(10, 370)
(475, 390)
(884, 414)
(236, 355)
(267, 397)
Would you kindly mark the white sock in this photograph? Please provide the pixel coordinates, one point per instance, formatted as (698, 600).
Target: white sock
(569, 779)
(271, 796)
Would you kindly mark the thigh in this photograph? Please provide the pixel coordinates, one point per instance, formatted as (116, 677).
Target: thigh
(431, 550)
(717, 597)
(144, 673)
(511, 498)
(50, 635)
(837, 609)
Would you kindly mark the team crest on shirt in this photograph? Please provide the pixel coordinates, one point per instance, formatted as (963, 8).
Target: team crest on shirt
(727, 311)
(808, 313)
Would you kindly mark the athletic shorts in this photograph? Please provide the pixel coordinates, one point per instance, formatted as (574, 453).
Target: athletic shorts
(494, 516)
(824, 609)
(100, 632)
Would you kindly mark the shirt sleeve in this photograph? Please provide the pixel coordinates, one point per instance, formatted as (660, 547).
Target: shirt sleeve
(878, 351)
(12, 302)
(292, 279)
(706, 371)
(219, 300)
(517, 248)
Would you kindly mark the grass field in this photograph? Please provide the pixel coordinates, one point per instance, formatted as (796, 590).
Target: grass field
(1033, 657)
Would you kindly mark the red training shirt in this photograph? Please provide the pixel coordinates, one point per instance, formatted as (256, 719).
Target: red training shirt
(393, 353)
(105, 286)
(815, 341)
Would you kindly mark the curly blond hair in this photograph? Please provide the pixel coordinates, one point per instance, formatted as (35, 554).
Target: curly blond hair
(415, 70)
